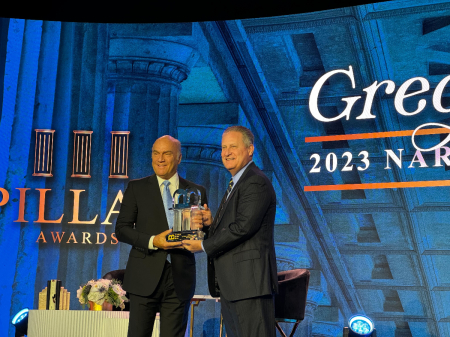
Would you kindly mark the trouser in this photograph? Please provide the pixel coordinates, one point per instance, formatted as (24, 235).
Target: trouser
(251, 317)
(173, 312)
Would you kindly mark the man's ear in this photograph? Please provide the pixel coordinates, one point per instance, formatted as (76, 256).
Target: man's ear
(179, 159)
(251, 149)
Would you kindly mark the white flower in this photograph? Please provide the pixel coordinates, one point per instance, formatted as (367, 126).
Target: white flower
(118, 290)
(81, 298)
(104, 282)
(98, 292)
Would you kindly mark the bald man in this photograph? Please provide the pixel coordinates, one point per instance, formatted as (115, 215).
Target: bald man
(160, 275)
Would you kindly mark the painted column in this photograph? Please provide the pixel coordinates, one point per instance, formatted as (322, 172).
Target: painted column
(148, 69)
(145, 69)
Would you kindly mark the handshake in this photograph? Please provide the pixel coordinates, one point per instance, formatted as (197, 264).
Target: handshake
(198, 219)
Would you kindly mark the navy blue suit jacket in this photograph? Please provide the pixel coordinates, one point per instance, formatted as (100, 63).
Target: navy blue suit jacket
(240, 242)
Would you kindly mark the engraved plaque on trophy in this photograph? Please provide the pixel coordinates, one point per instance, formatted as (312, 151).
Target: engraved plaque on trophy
(186, 204)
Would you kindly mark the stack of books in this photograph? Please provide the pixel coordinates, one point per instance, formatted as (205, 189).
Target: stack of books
(54, 297)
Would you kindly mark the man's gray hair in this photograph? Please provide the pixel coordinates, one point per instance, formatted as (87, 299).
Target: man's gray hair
(247, 135)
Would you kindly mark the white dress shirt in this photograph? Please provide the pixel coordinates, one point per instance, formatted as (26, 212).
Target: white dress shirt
(174, 183)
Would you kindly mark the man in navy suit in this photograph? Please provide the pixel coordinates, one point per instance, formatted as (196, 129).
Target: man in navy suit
(240, 245)
(153, 283)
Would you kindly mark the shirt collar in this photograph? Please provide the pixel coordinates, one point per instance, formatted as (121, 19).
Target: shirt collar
(238, 175)
(174, 181)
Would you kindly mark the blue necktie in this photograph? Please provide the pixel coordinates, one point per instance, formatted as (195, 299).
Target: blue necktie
(168, 203)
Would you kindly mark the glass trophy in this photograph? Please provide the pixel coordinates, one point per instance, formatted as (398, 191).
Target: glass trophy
(186, 205)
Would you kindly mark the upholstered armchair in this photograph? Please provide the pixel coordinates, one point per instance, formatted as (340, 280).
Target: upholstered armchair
(290, 302)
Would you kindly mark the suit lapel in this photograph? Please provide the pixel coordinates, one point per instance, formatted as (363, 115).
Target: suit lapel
(152, 193)
(155, 198)
(183, 184)
(225, 201)
(219, 213)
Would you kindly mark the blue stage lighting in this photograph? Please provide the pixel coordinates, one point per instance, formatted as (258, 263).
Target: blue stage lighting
(361, 325)
(20, 316)
(20, 321)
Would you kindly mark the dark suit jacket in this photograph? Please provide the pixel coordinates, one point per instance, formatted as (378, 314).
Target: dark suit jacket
(141, 216)
(240, 243)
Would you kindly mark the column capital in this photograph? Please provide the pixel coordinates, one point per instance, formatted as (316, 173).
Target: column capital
(147, 69)
(140, 55)
(290, 255)
(284, 264)
(146, 66)
(200, 153)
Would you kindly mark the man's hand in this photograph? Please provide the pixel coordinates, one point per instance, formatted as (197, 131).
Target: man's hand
(160, 241)
(207, 217)
(196, 219)
(193, 246)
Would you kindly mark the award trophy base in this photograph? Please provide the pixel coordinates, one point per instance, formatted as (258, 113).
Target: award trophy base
(185, 235)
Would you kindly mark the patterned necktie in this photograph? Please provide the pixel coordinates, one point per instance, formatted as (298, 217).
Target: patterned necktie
(168, 203)
(222, 203)
(230, 187)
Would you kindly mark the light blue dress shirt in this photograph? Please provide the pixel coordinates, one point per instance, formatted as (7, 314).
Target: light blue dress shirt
(238, 175)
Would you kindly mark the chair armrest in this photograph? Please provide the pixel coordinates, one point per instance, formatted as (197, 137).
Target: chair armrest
(290, 302)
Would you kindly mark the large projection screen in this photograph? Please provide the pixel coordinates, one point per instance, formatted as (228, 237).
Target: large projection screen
(350, 111)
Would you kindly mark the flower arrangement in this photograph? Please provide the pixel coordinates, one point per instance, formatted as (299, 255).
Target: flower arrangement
(101, 291)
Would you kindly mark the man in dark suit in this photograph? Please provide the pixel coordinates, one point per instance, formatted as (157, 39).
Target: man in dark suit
(153, 283)
(240, 245)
